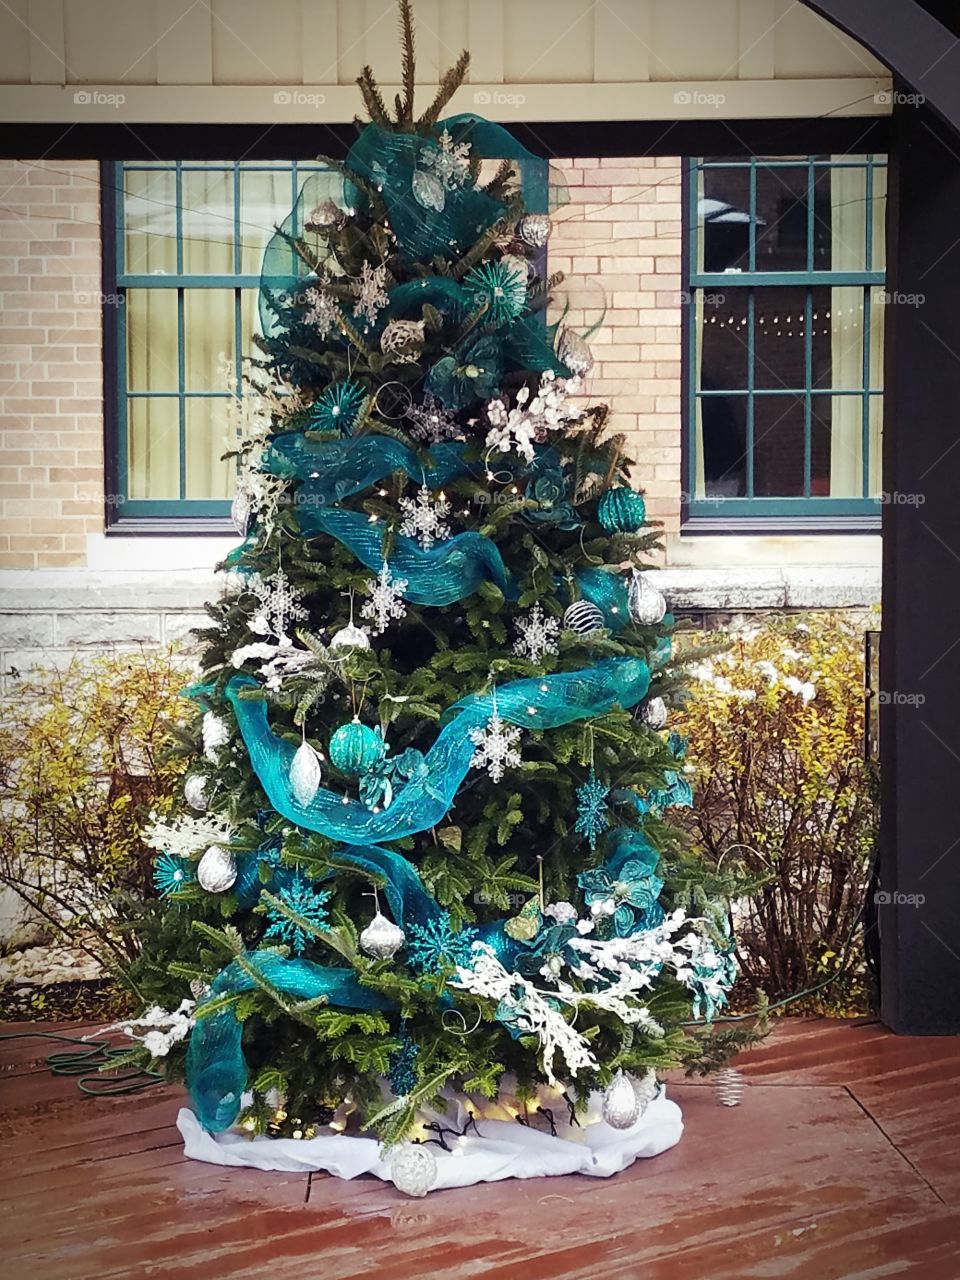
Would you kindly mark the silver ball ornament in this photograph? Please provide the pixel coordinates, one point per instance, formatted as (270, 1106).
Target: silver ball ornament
(534, 229)
(195, 792)
(647, 605)
(621, 1106)
(350, 637)
(215, 732)
(402, 340)
(583, 617)
(413, 1169)
(382, 938)
(217, 869)
(655, 713)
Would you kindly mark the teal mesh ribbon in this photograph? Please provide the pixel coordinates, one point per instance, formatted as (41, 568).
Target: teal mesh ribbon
(544, 702)
(216, 1068)
(442, 575)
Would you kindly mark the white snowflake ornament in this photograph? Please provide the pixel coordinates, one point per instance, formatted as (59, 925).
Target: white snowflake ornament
(425, 517)
(322, 311)
(538, 634)
(371, 295)
(279, 605)
(386, 599)
(449, 160)
(432, 421)
(496, 744)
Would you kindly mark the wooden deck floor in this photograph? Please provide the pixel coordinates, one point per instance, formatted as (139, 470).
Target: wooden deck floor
(841, 1164)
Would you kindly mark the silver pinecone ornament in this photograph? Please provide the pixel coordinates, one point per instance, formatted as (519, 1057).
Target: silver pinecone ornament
(195, 792)
(621, 1106)
(216, 734)
(646, 1087)
(382, 938)
(655, 713)
(647, 605)
(241, 512)
(217, 869)
(574, 352)
(413, 1169)
(305, 774)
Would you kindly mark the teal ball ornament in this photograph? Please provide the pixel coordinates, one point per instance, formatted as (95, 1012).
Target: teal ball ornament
(355, 748)
(622, 510)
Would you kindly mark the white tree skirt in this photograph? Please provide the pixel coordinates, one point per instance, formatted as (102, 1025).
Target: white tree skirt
(503, 1149)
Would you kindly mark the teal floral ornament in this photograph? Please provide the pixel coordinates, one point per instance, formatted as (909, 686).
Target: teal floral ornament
(549, 491)
(473, 374)
(355, 748)
(502, 286)
(677, 793)
(629, 896)
(337, 408)
(549, 951)
(376, 785)
(622, 510)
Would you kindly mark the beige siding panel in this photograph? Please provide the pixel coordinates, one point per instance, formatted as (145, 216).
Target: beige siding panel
(320, 52)
(485, 40)
(757, 43)
(454, 29)
(697, 100)
(256, 43)
(549, 42)
(693, 41)
(15, 42)
(45, 18)
(110, 43)
(432, 58)
(381, 46)
(351, 44)
(806, 45)
(184, 42)
(622, 37)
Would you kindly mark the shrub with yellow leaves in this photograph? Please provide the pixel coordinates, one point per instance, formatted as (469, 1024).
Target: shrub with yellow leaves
(775, 725)
(84, 757)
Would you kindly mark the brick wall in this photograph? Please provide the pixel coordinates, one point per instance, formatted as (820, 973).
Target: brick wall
(618, 242)
(51, 417)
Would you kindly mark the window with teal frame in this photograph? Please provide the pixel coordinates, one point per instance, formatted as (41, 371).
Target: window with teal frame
(189, 238)
(183, 247)
(784, 305)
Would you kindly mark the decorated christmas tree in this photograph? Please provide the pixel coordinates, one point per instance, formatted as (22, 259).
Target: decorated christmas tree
(424, 852)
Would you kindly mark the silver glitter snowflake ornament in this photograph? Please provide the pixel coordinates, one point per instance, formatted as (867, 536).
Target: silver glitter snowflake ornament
(496, 744)
(371, 295)
(386, 599)
(322, 311)
(449, 160)
(279, 604)
(538, 634)
(432, 422)
(425, 517)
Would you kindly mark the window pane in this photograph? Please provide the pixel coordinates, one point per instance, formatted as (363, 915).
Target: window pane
(780, 338)
(153, 447)
(208, 325)
(724, 343)
(723, 219)
(838, 338)
(208, 436)
(778, 451)
(781, 218)
(878, 218)
(264, 202)
(150, 222)
(207, 220)
(151, 329)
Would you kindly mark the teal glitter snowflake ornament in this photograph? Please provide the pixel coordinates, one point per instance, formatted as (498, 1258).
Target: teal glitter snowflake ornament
(592, 815)
(301, 909)
(502, 286)
(435, 946)
(337, 408)
(171, 874)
